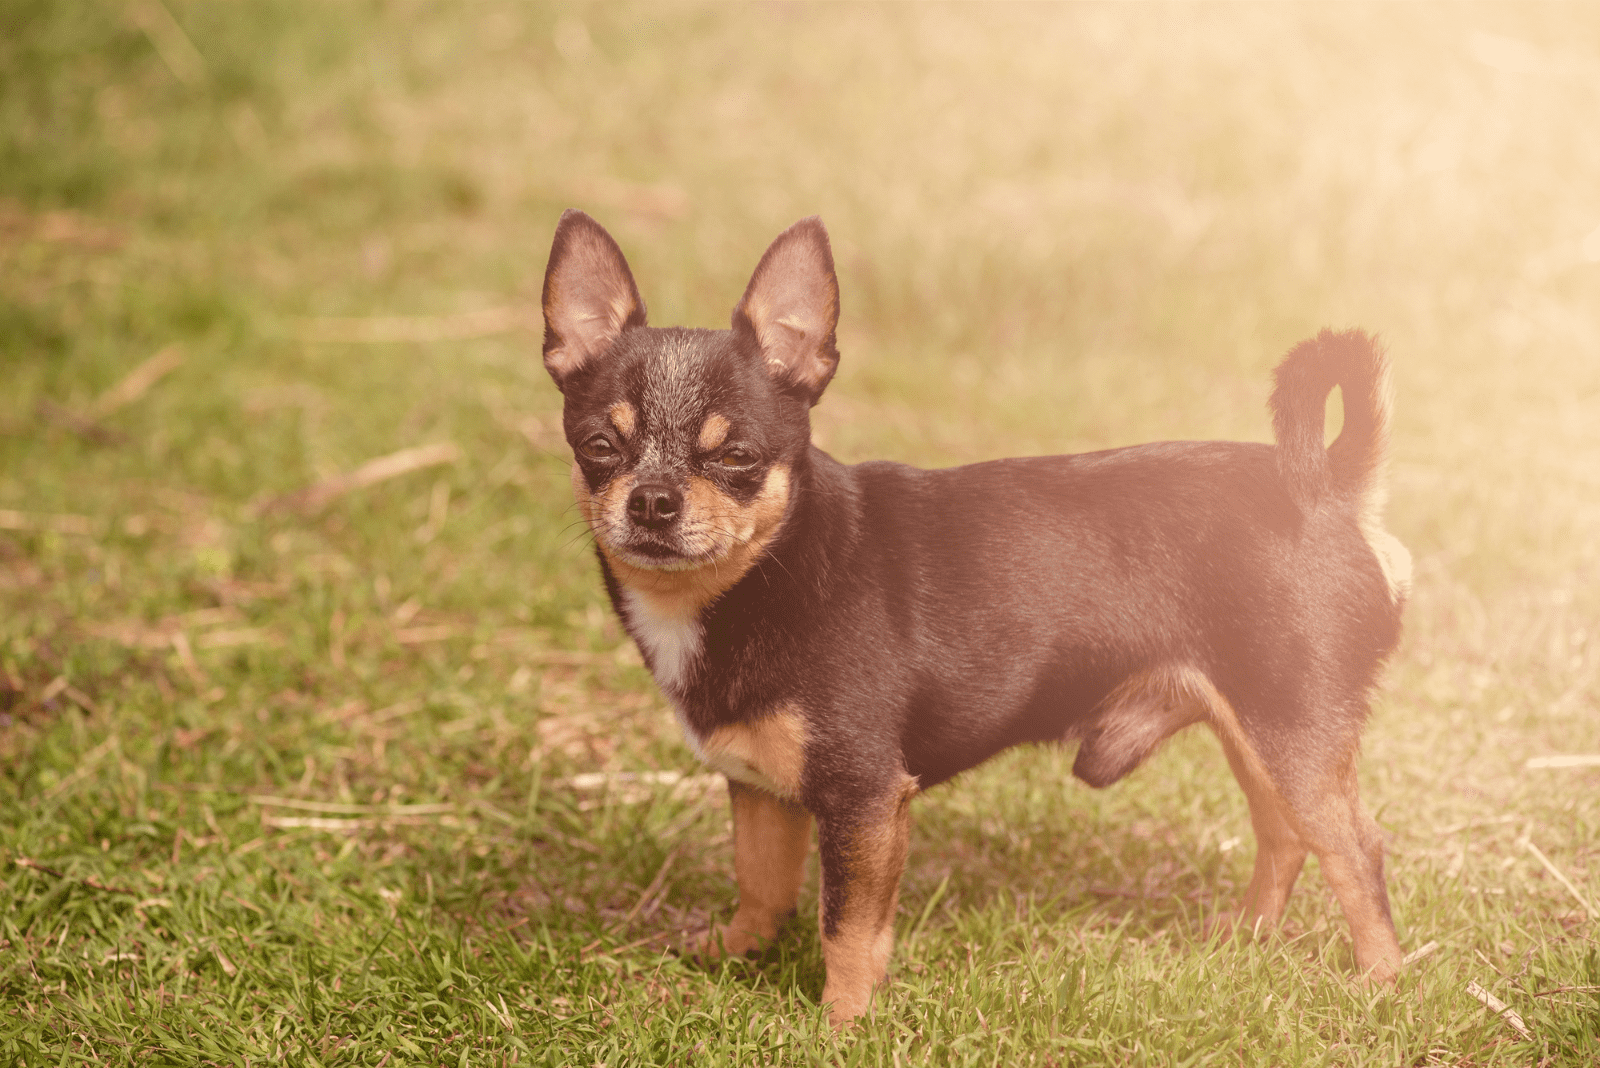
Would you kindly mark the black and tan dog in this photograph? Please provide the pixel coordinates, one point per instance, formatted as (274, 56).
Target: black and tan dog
(836, 639)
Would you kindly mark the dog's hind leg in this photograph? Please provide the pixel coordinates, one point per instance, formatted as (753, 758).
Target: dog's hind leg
(1280, 851)
(1310, 804)
(1349, 846)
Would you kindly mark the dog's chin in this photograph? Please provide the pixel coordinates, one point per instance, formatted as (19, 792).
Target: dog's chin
(653, 557)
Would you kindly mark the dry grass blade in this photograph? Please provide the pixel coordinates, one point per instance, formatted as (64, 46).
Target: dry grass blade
(651, 890)
(80, 525)
(81, 699)
(597, 780)
(185, 651)
(1420, 953)
(131, 635)
(352, 824)
(339, 808)
(1499, 1008)
(501, 1014)
(59, 227)
(1575, 760)
(315, 498)
(1550, 867)
(227, 639)
(90, 760)
(177, 51)
(137, 382)
(91, 883)
(320, 823)
(439, 632)
(635, 787)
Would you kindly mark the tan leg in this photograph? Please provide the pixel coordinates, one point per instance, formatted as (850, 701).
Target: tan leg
(1349, 845)
(770, 840)
(1322, 812)
(1280, 853)
(862, 861)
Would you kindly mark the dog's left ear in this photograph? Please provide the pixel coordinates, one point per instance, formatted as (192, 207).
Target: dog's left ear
(791, 308)
(589, 295)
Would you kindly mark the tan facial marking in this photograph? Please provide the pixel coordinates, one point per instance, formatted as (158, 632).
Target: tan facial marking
(768, 752)
(612, 496)
(704, 498)
(713, 432)
(624, 418)
(742, 531)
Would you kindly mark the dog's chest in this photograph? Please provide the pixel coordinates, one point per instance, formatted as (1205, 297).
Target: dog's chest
(766, 752)
(671, 641)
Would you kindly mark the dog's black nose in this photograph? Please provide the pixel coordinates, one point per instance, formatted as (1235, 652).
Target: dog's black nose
(654, 505)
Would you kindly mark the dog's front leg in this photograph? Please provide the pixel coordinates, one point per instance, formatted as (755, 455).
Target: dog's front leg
(863, 855)
(770, 840)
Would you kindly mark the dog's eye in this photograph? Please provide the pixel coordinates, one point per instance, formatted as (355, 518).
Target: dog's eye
(737, 458)
(598, 448)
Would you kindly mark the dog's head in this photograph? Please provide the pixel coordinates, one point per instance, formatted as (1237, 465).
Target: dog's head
(685, 440)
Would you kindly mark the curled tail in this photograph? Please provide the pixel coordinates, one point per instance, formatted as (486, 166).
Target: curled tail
(1351, 470)
(1352, 467)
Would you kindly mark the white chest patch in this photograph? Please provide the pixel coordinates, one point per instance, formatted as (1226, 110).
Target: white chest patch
(671, 643)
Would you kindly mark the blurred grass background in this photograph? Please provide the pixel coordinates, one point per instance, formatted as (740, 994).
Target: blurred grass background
(241, 740)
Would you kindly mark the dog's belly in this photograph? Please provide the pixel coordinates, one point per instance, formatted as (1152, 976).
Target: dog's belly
(959, 722)
(1119, 715)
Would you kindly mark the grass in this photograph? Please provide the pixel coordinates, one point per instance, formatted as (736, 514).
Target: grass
(302, 786)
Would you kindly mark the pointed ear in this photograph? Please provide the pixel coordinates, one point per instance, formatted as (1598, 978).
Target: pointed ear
(589, 295)
(791, 308)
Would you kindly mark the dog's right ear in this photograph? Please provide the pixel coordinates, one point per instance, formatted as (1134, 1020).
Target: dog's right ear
(589, 296)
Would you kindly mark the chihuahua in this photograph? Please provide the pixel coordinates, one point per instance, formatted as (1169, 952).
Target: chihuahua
(836, 639)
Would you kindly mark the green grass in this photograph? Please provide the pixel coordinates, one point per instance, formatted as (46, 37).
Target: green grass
(284, 787)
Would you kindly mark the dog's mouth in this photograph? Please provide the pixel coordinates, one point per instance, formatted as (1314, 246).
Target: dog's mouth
(655, 554)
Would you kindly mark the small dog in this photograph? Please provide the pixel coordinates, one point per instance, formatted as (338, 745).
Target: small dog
(836, 639)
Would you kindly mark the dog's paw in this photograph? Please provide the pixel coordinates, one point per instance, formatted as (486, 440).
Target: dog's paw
(1382, 972)
(723, 941)
(848, 1002)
